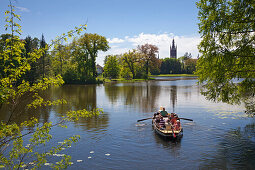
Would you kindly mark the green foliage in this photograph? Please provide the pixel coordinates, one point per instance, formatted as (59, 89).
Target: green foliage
(92, 44)
(125, 73)
(130, 61)
(133, 64)
(111, 68)
(76, 61)
(190, 66)
(16, 57)
(227, 47)
(70, 76)
(170, 65)
(61, 59)
(34, 73)
(148, 53)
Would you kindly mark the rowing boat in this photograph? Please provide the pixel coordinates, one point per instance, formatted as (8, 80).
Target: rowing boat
(168, 131)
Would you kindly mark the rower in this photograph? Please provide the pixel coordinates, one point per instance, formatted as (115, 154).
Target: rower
(175, 121)
(173, 118)
(163, 112)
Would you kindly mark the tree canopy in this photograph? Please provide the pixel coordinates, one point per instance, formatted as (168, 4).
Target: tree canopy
(227, 28)
(148, 52)
(131, 60)
(92, 44)
(112, 68)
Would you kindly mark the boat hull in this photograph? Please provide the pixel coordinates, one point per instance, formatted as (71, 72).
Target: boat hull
(167, 133)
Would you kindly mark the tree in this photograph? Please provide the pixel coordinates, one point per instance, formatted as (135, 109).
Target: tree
(43, 46)
(130, 59)
(186, 56)
(15, 65)
(190, 65)
(227, 29)
(111, 68)
(76, 61)
(92, 44)
(3, 46)
(170, 66)
(148, 52)
(82, 59)
(155, 66)
(30, 45)
(61, 57)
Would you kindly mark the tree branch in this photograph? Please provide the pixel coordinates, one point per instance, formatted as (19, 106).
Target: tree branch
(13, 138)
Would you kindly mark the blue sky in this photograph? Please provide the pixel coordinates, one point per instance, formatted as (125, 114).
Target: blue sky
(125, 23)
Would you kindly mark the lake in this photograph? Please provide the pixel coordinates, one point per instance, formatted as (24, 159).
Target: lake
(220, 137)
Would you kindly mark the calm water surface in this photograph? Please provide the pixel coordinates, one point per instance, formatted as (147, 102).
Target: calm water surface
(221, 136)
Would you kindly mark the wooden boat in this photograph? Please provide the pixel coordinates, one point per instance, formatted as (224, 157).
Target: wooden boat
(168, 131)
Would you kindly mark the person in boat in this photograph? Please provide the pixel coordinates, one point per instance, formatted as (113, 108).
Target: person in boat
(164, 112)
(162, 123)
(175, 121)
(178, 124)
(173, 118)
(156, 117)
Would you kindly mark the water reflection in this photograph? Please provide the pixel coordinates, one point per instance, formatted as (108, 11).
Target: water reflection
(77, 96)
(81, 97)
(19, 112)
(235, 151)
(172, 145)
(140, 95)
(173, 96)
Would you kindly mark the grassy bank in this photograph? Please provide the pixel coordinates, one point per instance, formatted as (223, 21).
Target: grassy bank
(106, 80)
(174, 75)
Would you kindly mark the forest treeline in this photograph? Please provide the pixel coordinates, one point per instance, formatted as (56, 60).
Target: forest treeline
(76, 61)
(143, 61)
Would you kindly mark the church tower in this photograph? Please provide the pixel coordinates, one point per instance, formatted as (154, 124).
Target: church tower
(173, 50)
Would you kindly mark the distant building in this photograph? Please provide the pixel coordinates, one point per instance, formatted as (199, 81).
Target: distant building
(173, 50)
(99, 69)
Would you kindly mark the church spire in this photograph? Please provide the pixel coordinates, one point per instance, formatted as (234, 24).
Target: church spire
(173, 50)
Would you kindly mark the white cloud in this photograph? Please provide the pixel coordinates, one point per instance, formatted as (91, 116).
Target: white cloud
(162, 41)
(115, 40)
(22, 9)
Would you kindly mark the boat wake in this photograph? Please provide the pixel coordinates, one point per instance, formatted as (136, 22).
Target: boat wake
(140, 124)
(189, 123)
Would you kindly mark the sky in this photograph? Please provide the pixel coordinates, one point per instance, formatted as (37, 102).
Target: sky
(125, 23)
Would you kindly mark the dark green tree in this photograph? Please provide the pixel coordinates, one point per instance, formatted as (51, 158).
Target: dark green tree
(43, 45)
(190, 65)
(170, 66)
(91, 44)
(33, 74)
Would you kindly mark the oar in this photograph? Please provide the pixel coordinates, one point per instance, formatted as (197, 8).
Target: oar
(186, 119)
(173, 131)
(144, 119)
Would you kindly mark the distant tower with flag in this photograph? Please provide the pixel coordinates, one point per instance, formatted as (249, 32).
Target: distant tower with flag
(173, 50)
